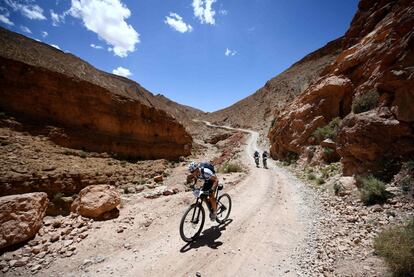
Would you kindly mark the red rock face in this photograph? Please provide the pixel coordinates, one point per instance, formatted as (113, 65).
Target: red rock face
(378, 56)
(91, 116)
(366, 138)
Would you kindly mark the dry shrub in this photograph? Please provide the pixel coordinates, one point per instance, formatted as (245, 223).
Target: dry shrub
(396, 245)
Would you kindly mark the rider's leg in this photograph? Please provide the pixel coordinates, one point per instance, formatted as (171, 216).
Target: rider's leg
(213, 202)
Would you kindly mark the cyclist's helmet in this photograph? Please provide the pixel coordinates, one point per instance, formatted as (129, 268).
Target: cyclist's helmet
(192, 166)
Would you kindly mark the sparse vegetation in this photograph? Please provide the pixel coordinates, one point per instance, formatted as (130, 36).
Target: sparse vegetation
(396, 245)
(372, 190)
(338, 188)
(386, 168)
(231, 167)
(83, 154)
(407, 184)
(291, 158)
(2, 114)
(365, 102)
(320, 181)
(311, 176)
(328, 131)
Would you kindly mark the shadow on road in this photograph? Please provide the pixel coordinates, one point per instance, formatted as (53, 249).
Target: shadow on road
(208, 238)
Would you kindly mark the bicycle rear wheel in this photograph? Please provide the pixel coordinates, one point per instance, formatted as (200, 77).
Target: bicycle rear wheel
(192, 222)
(223, 208)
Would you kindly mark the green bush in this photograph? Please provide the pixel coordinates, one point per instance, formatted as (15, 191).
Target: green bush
(291, 158)
(365, 102)
(396, 245)
(407, 184)
(409, 166)
(372, 190)
(311, 176)
(320, 181)
(328, 131)
(83, 154)
(338, 188)
(231, 167)
(386, 168)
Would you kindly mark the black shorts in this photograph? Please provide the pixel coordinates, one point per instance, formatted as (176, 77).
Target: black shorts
(207, 185)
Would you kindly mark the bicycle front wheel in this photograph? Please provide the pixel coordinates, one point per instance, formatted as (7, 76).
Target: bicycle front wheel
(223, 208)
(192, 222)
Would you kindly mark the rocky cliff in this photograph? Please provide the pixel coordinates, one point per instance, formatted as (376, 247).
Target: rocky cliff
(370, 86)
(93, 110)
(258, 110)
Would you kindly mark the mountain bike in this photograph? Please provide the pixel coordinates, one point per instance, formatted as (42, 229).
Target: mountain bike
(193, 219)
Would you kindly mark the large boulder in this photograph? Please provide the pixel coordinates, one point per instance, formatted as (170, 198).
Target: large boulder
(97, 200)
(368, 140)
(21, 216)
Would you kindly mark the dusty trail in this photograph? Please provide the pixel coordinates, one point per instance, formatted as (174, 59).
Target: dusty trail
(262, 237)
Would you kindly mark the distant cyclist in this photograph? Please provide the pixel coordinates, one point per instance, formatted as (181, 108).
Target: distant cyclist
(205, 172)
(256, 157)
(265, 155)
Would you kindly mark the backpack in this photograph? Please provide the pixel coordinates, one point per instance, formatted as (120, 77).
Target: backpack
(207, 165)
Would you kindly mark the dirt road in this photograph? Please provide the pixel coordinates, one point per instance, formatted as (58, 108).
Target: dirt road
(266, 231)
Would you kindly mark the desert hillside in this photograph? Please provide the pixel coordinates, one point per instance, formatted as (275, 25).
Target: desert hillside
(259, 109)
(93, 110)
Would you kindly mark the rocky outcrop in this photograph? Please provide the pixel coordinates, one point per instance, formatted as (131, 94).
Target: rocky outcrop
(21, 216)
(96, 201)
(364, 139)
(320, 103)
(378, 58)
(94, 110)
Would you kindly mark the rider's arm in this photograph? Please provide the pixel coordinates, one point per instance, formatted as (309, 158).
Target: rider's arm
(214, 179)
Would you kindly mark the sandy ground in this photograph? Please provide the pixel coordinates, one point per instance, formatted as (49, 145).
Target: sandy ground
(262, 237)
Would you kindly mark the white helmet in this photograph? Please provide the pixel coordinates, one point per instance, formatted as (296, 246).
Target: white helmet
(192, 166)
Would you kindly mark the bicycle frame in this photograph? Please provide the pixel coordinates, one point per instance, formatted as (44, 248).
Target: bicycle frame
(199, 201)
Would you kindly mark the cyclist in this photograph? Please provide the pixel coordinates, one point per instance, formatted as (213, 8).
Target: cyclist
(198, 171)
(256, 158)
(265, 155)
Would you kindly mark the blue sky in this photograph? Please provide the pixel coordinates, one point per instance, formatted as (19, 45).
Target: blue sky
(203, 53)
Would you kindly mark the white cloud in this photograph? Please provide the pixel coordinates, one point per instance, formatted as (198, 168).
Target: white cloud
(57, 18)
(5, 19)
(25, 29)
(54, 45)
(204, 12)
(107, 19)
(44, 34)
(96, 46)
(223, 12)
(176, 22)
(28, 10)
(230, 53)
(121, 71)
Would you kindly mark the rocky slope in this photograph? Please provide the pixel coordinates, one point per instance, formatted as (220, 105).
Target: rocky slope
(258, 110)
(93, 110)
(370, 86)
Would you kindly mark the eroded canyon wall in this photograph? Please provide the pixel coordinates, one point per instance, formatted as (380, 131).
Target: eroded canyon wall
(90, 109)
(374, 72)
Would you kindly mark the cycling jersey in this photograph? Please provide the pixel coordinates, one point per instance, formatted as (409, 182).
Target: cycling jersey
(206, 174)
